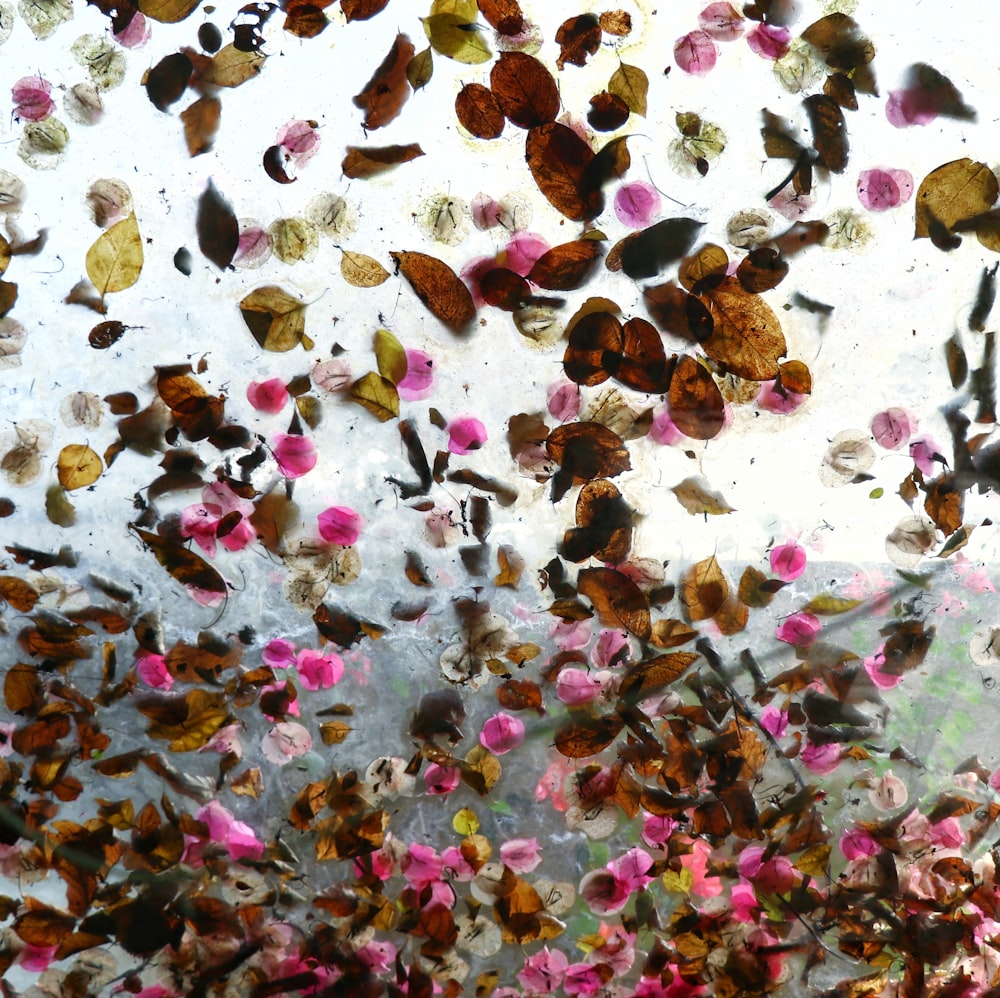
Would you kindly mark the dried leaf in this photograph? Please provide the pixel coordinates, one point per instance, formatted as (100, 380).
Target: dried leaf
(188, 721)
(694, 401)
(697, 496)
(829, 131)
(114, 261)
(362, 271)
(387, 91)
(607, 113)
(201, 123)
(524, 89)
(276, 319)
(646, 253)
(168, 11)
(231, 67)
(78, 466)
(617, 599)
(479, 111)
(390, 357)
(642, 364)
(453, 36)
(362, 163)
(18, 594)
(578, 38)
(565, 267)
(597, 336)
(185, 566)
(420, 70)
(378, 395)
(559, 159)
(703, 269)
(704, 589)
(511, 565)
(438, 287)
(585, 735)
(585, 451)
(952, 194)
(361, 10)
(827, 605)
(840, 42)
(746, 336)
(604, 525)
(217, 227)
(652, 677)
(166, 82)
(631, 84)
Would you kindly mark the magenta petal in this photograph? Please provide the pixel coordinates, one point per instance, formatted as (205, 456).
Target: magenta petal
(893, 428)
(501, 733)
(878, 190)
(564, 400)
(722, 21)
(637, 204)
(152, 670)
(300, 139)
(695, 53)
(267, 396)
(31, 98)
(465, 435)
(788, 561)
(915, 106)
(278, 653)
(340, 525)
(769, 41)
(523, 250)
(800, 629)
(296, 455)
(419, 380)
(136, 33)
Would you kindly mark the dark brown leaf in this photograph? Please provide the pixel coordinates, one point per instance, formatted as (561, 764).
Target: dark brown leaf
(504, 289)
(647, 252)
(185, 566)
(524, 89)
(840, 42)
(586, 735)
(607, 112)
(597, 337)
(361, 10)
(617, 599)
(520, 694)
(344, 628)
(217, 227)
(166, 82)
(362, 163)
(604, 525)
(652, 677)
(567, 266)
(201, 123)
(578, 38)
(504, 16)
(694, 401)
(642, 365)
(585, 451)
(761, 269)
(829, 131)
(438, 287)
(703, 269)
(479, 112)
(387, 91)
(558, 159)
(954, 193)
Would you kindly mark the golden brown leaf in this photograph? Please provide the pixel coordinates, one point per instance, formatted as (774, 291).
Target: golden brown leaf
(951, 194)
(585, 735)
(362, 163)
(276, 319)
(438, 287)
(201, 122)
(631, 84)
(704, 589)
(565, 267)
(387, 91)
(559, 159)
(524, 89)
(18, 594)
(479, 112)
(362, 271)
(694, 401)
(619, 602)
(231, 67)
(746, 337)
(115, 260)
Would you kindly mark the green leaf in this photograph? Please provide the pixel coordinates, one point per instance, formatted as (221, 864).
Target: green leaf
(420, 70)
(827, 605)
(467, 10)
(390, 356)
(454, 36)
(378, 395)
(115, 260)
(631, 84)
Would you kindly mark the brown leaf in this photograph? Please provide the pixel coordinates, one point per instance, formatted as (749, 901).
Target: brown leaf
(196, 412)
(524, 89)
(952, 194)
(439, 288)
(362, 163)
(166, 82)
(697, 496)
(671, 633)
(361, 271)
(944, 503)
(597, 337)
(567, 266)
(616, 22)
(578, 38)
(652, 677)
(231, 67)
(585, 735)
(387, 91)
(18, 594)
(43, 926)
(704, 589)
(646, 253)
(520, 694)
(361, 10)
(642, 365)
(675, 311)
(22, 690)
(840, 42)
(617, 599)
(275, 318)
(761, 269)
(732, 617)
(306, 20)
(201, 122)
(504, 16)
(187, 721)
(378, 395)
(511, 565)
(829, 131)
(585, 451)
(794, 376)
(604, 525)
(694, 401)
(479, 111)
(504, 289)
(607, 112)
(746, 336)
(185, 566)
(756, 589)
(703, 269)
(217, 227)
(558, 159)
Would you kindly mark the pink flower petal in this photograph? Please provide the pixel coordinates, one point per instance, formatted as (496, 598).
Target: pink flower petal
(278, 653)
(501, 733)
(153, 671)
(300, 139)
(523, 250)
(925, 453)
(663, 430)
(267, 396)
(914, 106)
(295, 454)
(465, 435)
(332, 375)
(722, 21)
(441, 779)
(253, 248)
(563, 400)
(317, 670)
(893, 428)
(800, 629)
(788, 561)
(576, 686)
(419, 380)
(32, 100)
(521, 855)
(696, 53)
(286, 741)
(778, 400)
(769, 41)
(137, 32)
(340, 525)
(637, 204)
(820, 758)
(605, 894)
(774, 721)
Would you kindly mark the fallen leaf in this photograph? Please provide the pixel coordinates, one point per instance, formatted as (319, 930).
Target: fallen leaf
(390, 356)
(631, 84)
(603, 525)
(607, 113)
(362, 163)
(201, 123)
(384, 95)
(275, 319)
(829, 131)
(479, 112)
(578, 38)
(585, 451)
(169, 11)
(524, 89)
(453, 36)
(18, 595)
(361, 10)
(185, 566)
(746, 337)
(231, 67)
(504, 16)
(166, 82)
(78, 466)
(438, 287)
(565, 267)
(585, 735)
(217, 227)
(420, 70)
(617, 599)
(694, 401)
(646, 253)
(697, 496)
(951, 194)
(704, 589)
(362, 271)
(115, 260)
(376, 394)
(558, 159)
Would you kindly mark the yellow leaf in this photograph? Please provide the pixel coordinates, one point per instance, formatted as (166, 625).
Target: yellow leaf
(465, 822)
(276, 319)
(378, 395)
(230, 67)
(680, 883)
(390, 356)
(815, 861)
(453, 36)
(953, 193)
(78, 466)
(115, 260)
(631, 84)
(334, 732)
(420, 70)
(362, 271)
(168, 11)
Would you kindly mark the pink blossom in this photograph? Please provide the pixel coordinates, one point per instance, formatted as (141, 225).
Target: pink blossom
(775, 875)
(459, 867)
(657, 829)
(777, 399)
(267, 396)
(883, 680)
(570, 634)
(521, 855)
(637, 204)
(880, 190)
(769, 41)
(631, 869)
(136, 33)
(722, 22)
(35, 959)
(697, 862)
(604, 892)
(153, 671)
(378, 956)
(774, 721)
(31, 98)
(340, 525)
(501, 733)
(199, 521)
(7, 729)
(788, 561)
(761, 943)
(744, 901)
(663, 429)
(617, 950)
(799, 629)
(421, 865)
(582, 979)
(524, 249)
(552, 783)
(442, 779)
(947, 834)
(925, 452)
(576, 686)
(295, 454)
(286, 741)
(237, 836)
(254, 246)
(913, 106)
(300, 140)
(610, 649)
(544, 971)
(243, 533)
(696, 53)
(791, 205)
(278, 653)
(317, 670)
(331, 375)
(893, 427)
(419, 380)
(820, 758)
(563, 400)
(465, 435)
